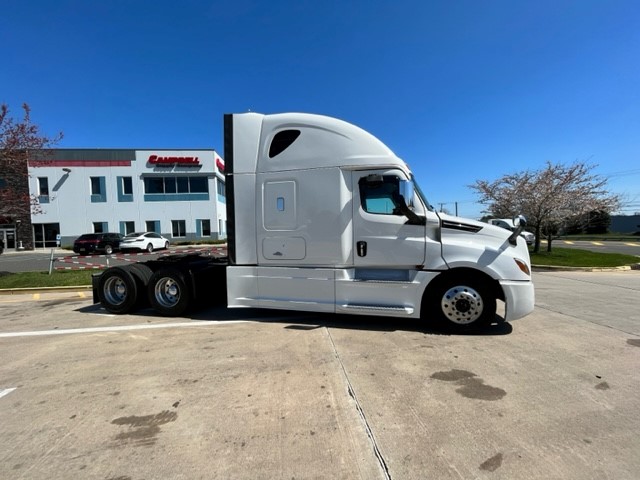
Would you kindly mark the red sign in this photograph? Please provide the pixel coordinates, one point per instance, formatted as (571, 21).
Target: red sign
(220, 164)
(170, 161)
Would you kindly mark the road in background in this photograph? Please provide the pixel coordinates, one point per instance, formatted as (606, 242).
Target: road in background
(628, 248)
(266, 394)
(38, 261)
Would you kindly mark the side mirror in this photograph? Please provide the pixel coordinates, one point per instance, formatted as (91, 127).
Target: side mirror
(407, 192)
(519, 223)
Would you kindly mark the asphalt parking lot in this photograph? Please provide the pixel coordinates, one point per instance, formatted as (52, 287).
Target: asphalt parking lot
(258, 394)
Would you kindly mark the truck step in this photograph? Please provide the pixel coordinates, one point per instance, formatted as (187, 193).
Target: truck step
(379, 309)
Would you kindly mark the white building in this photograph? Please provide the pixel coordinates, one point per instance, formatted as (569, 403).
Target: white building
(177, 193)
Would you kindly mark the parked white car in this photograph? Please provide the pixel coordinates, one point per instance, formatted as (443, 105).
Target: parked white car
(507, 223)
(148, 241)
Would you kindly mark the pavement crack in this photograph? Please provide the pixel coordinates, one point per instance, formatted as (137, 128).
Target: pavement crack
(599, 284)
(372, 439)
(575, 317)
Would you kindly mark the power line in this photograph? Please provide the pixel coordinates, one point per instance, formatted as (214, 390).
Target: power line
(621, 173)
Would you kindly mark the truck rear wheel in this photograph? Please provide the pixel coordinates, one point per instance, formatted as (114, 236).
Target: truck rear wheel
(117, 290)
(142, 274)
(168, 292)
(462, 303)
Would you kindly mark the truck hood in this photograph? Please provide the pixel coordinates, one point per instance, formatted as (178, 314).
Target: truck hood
(474, 227)
(473, 244)
(468, 230)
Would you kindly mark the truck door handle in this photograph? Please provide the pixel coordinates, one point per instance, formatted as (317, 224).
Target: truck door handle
(362, 248)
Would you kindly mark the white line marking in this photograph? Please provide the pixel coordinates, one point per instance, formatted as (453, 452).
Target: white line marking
(122, 328)
(6, 391)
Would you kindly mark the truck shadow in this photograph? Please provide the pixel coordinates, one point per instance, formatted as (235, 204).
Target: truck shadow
(312, 321)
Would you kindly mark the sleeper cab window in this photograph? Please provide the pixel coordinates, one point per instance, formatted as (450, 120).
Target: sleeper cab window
(281, 141)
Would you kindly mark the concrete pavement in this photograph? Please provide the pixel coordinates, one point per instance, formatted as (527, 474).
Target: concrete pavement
(260, 394)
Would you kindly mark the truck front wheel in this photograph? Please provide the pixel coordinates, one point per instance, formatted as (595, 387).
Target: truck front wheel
(117, 290)
(462, 303)
(168, 292)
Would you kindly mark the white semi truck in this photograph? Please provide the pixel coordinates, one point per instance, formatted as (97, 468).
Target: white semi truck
(323, 217)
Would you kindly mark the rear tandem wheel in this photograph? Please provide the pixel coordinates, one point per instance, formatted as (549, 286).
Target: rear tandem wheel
(117, 290)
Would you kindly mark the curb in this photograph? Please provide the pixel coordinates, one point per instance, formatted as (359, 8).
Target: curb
(27, 290)
(554, 268)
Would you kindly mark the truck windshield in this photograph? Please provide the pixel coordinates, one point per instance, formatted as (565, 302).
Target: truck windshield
(420, 194)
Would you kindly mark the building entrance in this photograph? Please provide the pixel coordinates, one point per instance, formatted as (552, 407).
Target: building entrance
(8, 237)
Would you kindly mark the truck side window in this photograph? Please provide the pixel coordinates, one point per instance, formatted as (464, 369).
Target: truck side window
(380, 194)
(281, 141)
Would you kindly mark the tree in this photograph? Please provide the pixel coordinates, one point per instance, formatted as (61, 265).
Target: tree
(18, 141)
(547, 197)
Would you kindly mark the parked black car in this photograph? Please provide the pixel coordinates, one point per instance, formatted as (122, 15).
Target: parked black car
(97, 243)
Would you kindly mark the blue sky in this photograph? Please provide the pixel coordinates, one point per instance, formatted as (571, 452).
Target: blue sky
(461, 90)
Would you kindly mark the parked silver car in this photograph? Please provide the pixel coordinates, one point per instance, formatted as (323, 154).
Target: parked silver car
(507, 223)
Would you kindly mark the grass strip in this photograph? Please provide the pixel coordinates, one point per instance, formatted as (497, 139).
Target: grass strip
(64, 278)
(573, 257)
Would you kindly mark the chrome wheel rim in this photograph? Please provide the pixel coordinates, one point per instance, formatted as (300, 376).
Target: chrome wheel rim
(167, 292)
(115, 290)
(462, 305)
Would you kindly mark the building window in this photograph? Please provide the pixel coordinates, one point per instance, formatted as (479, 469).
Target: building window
(154, 185)
(183, 188)
(170, 185)
(178, 228)
(96, 186)
(183, 184)
(127, 227)
(198, 185)
(152, 226)
(45, 234)
(100, 227)
(98, 190)
(43, 189)
(125, 189)
(221, 191)
(205, 227)
(127, 186)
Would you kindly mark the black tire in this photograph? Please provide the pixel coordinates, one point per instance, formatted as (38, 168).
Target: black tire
(117, 290)
(108, 249)
(461, 302)
(168, 292)
(166, 245)
(142, 274)
(149, 248)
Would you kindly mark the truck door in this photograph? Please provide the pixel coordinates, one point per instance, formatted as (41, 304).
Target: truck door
(383, 235)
